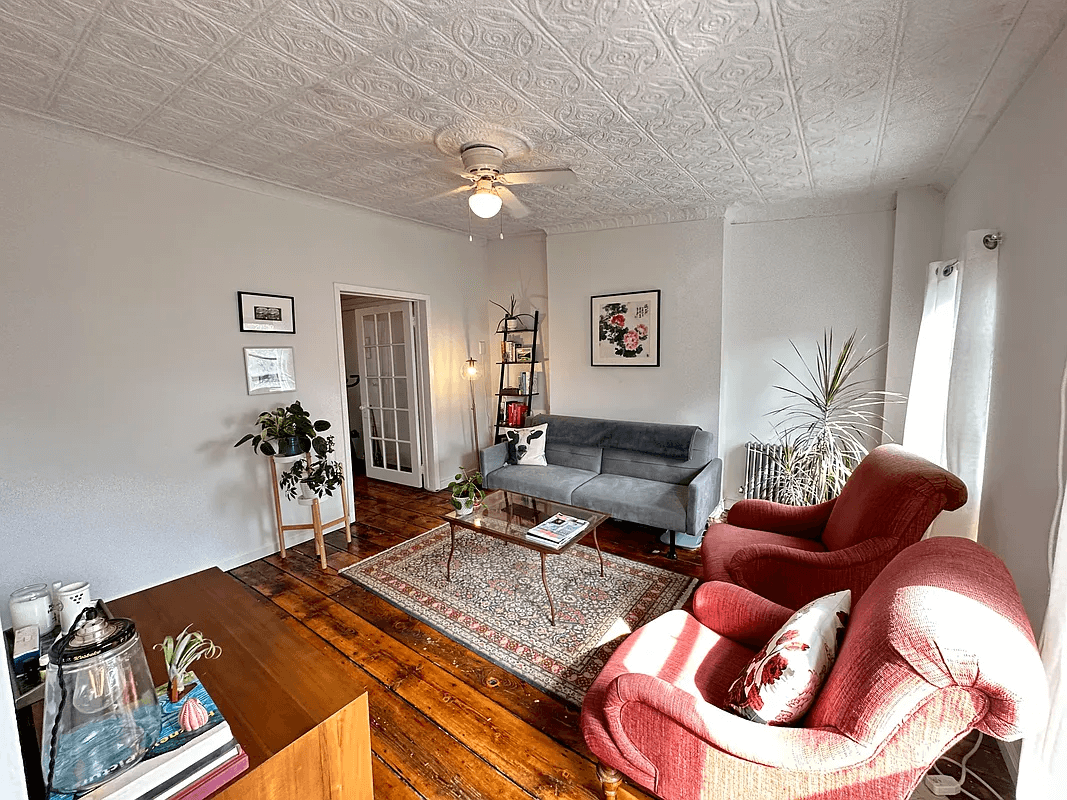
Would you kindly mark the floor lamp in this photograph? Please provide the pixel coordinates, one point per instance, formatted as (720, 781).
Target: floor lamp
(471, 374)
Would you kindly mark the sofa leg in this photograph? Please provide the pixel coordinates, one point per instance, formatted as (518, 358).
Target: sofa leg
(672, 553)
(610, 779)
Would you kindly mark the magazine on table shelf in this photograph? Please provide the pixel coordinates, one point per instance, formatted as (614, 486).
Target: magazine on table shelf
(557, 530)
(181, 765)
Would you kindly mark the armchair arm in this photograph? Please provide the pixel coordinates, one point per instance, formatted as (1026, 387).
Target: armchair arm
(792, 577)
(705, 491)
(736, 613)
(493, 458)
(804, 521)
(774, 746)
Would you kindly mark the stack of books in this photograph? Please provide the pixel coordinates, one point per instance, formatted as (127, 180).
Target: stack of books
(557, 530)
(182, 765)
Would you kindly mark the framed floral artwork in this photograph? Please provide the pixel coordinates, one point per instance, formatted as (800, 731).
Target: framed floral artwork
(625, 329)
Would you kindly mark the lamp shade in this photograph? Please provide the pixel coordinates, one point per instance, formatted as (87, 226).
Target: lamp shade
(485, 203)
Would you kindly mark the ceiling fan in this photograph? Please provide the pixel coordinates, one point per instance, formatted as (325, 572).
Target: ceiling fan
(483, 167)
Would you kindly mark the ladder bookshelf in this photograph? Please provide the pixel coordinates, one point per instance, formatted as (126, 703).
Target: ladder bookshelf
(522, 336)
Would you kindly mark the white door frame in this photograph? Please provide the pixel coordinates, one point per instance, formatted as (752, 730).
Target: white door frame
(423, 375)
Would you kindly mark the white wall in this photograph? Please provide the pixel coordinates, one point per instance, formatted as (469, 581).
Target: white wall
(789, 279)
(1017, 183)
(517, 266)
(684, 261)
(920, 217)
(123, 387)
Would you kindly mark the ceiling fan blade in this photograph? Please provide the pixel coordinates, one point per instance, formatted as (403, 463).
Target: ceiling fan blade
(449, 193)
(512, 203)
(542, 176)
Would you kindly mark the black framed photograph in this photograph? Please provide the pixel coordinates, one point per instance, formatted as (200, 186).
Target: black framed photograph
(269, 370)
(265, 313)
(624, 329)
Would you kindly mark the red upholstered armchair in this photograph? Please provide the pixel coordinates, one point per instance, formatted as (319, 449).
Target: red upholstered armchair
(793, 554)
(938, 645)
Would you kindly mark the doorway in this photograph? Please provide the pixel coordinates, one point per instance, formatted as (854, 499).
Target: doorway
(386, 404)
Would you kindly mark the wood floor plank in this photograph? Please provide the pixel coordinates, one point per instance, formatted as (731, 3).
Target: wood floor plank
(387, 784)
(308, 570)
(542, 766)
(539, 710)
(418, 749)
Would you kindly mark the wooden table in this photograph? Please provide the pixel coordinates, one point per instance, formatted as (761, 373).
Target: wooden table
(508, 516)
(294, 703)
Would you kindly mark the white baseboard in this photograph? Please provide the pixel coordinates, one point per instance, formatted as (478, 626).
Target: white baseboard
(1011, 752)
(291, 540)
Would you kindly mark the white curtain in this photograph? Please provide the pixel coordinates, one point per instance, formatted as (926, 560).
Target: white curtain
(1043, 763)
(948, 402)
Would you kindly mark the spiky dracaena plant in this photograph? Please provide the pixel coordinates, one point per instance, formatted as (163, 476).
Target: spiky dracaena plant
(180, 652)
(825, 429)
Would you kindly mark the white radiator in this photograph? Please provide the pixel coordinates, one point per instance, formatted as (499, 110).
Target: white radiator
(763, 471)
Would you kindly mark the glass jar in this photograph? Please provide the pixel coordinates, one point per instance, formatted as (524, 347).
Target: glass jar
(101, 714)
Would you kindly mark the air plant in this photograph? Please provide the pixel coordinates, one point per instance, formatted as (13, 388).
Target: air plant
(825, 430)
(179, 654)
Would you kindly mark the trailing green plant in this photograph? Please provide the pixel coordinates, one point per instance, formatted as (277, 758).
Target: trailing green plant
(467, 485)
(179, 653)
(285, 422)
(321, 474)
(824, 431)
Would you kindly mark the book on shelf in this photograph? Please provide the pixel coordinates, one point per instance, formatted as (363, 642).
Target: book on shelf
(557, 530)
(181, 765)
(515, 413)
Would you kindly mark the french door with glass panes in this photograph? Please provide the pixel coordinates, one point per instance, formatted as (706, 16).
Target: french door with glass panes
(389, 398)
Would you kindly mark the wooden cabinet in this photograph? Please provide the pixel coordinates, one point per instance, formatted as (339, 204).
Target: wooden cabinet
(296, 705)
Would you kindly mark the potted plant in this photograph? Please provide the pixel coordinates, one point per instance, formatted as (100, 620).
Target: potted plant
(466, 491)
(510, 316)
(313, 477)
(290, 427)
(824, 431)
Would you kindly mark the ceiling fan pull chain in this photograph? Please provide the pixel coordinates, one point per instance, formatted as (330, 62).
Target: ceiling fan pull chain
(470, 234)
(499, 217)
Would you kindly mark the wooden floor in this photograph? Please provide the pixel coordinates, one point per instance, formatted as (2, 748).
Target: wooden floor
(444, 721)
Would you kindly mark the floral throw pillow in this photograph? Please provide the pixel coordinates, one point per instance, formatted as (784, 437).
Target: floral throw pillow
(526, 446)
(779, 685)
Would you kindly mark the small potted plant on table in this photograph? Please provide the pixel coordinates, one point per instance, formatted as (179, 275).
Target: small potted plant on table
(466, 491)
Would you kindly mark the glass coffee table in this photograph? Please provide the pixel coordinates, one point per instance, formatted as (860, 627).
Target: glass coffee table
(508, 516)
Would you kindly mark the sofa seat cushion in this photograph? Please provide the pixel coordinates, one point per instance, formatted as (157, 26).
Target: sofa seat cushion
(724, 540)
(551, 482)
(635, 499)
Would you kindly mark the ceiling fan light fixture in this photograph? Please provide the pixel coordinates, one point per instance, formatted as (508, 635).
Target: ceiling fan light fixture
(485, 203)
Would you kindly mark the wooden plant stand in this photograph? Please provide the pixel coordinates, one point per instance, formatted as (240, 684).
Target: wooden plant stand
(316, 524)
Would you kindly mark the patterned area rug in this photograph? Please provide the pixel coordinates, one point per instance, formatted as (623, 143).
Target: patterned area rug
(496, 603)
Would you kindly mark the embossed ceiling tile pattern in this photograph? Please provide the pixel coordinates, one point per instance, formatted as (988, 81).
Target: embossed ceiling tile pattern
(264, 67)
(664, 109)
(25, 83)
(235, 14)
(98, 107)
(307, 43)
(168, 21)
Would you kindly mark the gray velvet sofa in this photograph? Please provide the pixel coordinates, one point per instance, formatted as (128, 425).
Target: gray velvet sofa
(666, 476)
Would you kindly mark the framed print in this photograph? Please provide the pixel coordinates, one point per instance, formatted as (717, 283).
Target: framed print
(269, 370)
(265, 313)
(624, 329)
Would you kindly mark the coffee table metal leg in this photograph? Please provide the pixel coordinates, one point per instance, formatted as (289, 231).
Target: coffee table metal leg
(599, 553)
(451, 550)
(544, 580)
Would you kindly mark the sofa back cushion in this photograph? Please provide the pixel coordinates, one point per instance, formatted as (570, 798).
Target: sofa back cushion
(575, 456)
(658, 468)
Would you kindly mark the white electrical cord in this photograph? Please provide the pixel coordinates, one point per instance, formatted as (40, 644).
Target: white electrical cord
(963, 771)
